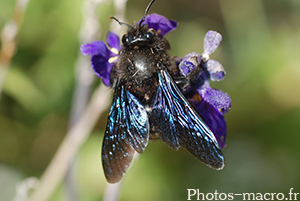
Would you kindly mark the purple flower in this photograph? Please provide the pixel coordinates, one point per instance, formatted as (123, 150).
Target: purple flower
(103, 57)
(160, 23)
(214, 120)
(188, 63)
(211, 42)
(213, 103)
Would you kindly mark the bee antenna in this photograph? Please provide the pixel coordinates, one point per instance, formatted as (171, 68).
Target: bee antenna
(146, 11)
(120, 23)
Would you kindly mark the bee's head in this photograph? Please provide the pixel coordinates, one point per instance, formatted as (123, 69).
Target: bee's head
(138, 33)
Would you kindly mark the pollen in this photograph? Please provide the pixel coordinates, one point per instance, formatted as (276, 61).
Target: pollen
(112, 59)
(197, 97)
(114, 50)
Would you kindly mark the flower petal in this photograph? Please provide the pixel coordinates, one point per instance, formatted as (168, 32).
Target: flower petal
(106, 81)
(159, 22)
(102, 68)
(113, 40)
(214, 119)
(211, 41)
(215, 69)
(217, 98)
(188, 63)
(94, 48)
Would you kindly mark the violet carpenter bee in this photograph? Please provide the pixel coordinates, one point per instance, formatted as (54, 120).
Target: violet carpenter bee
(148, 103)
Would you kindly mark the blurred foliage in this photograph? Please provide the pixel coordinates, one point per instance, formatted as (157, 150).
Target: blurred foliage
(260, 52)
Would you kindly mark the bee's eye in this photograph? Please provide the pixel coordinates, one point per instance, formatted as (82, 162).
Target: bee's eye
(127, 39)
(124, 38)
(150, 33)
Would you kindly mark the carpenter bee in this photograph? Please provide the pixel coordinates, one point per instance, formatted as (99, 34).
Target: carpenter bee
(148, 103)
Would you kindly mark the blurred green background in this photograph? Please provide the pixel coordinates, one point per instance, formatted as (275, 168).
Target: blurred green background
(260, 52)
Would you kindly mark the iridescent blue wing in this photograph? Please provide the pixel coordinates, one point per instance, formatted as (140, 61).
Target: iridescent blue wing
(127, 131)
(178, 124)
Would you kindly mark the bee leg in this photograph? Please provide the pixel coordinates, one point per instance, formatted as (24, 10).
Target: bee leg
(183, 82)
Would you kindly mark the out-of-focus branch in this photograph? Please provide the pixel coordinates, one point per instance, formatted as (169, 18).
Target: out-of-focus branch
(83, 118)
(112, 192)
(81, 130)
(89, 31)
(71, 144)
(8, 38)
(24, 187)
